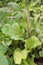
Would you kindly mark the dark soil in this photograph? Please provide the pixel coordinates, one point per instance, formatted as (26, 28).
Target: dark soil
(39, 61)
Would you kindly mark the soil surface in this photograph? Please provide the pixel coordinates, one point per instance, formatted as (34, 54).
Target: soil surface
(39, 61)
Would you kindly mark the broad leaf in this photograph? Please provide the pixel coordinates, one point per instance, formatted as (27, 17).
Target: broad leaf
(6, 42)
(10, 60)
(24, 54)
(14, 5)
(24, 63)
(3, 49)
(14, 31)
(4, 9)
(41, 53)
(32, 42)
(3, 60)
(17, 56)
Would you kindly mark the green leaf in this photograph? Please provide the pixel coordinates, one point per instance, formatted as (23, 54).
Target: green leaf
(31, 61)
(18, 15)
(6, 41)
(21, 31)
(32, 42)
(24, 63)
(1, 35)
(24, 54)
(41, 53)
(11, 61)
(3, 16)
(3, 60)
(14, 31)
(1, 3)
(3, 9)
(3, 49)
(17, 56)
(14, 5)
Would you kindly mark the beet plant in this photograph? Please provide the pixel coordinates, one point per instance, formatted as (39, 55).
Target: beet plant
(21, 32)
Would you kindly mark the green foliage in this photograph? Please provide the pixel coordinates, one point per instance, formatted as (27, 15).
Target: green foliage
(41, 53)
(24, 63)
(14, 31)
(3, 60)
(32, 42)
(19, 55)
(31, 61)
(3, 49)
(21, 31)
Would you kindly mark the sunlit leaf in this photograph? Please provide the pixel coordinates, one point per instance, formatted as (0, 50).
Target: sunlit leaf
(17, 56)
(32, 42)
(14, 31)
